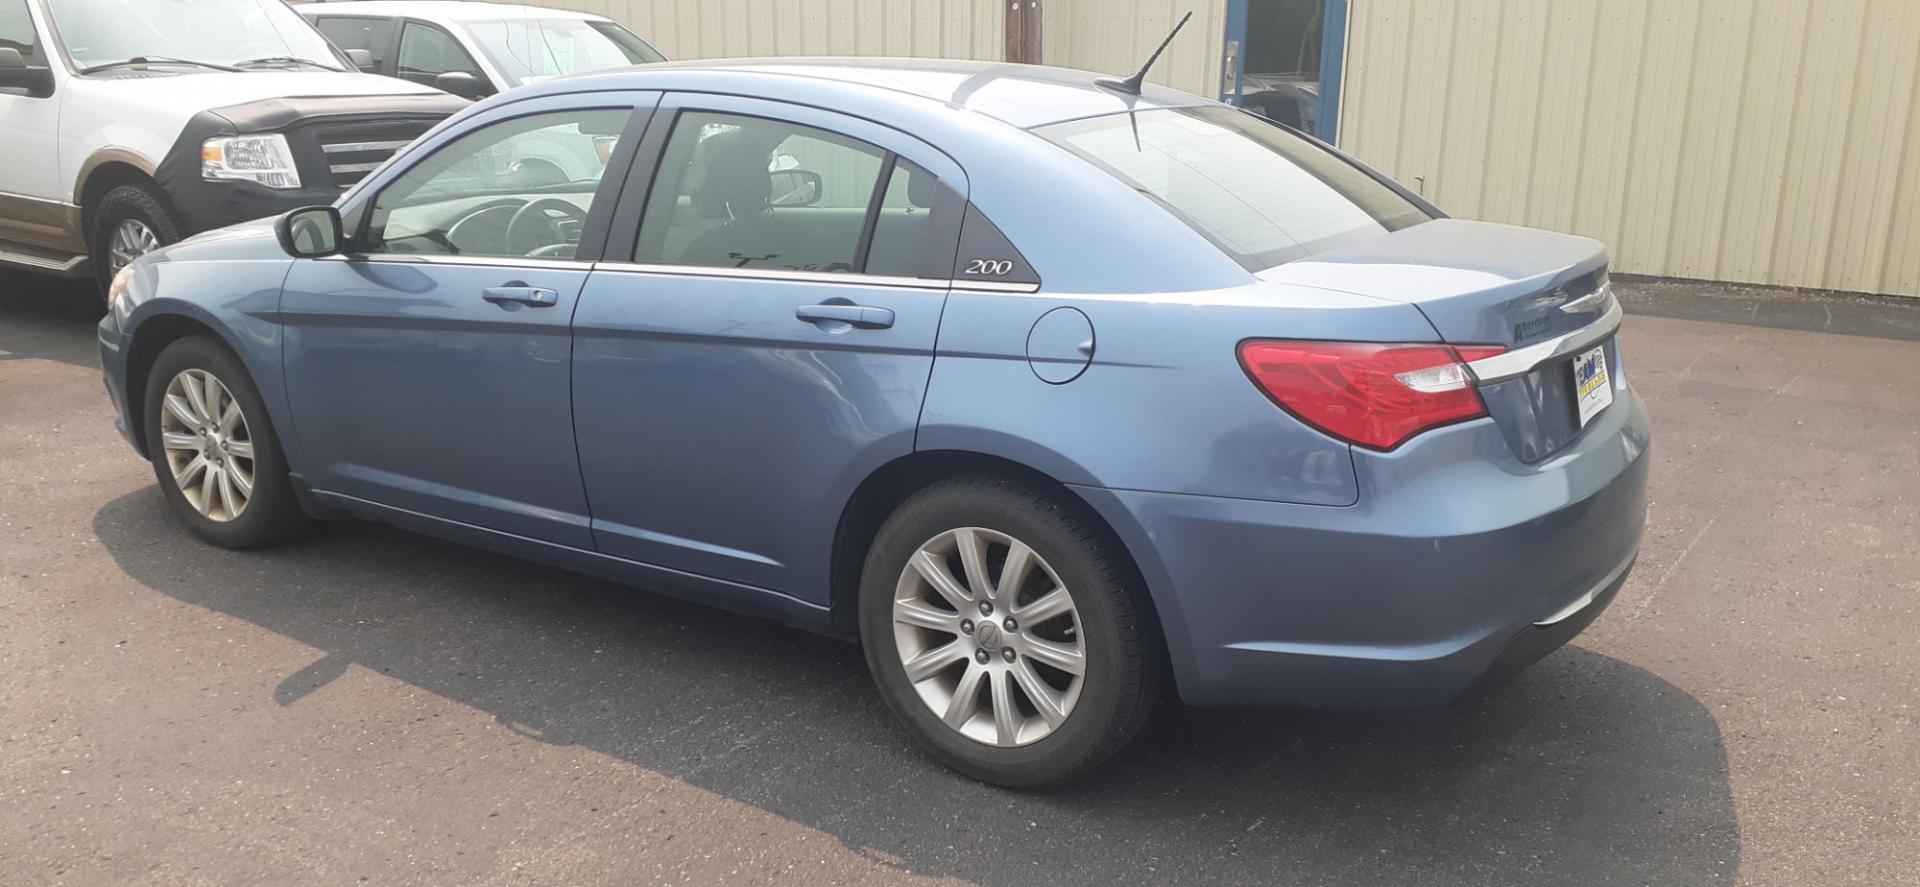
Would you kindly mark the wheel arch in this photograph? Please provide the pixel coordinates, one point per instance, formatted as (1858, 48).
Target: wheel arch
(888, 486)
(161, 326)
(107, 169)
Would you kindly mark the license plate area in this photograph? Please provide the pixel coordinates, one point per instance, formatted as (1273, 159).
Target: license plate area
(1592, 384)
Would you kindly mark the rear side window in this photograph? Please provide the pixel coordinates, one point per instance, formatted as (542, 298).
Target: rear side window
(735, 191)
(1260, 193)
(374, 35)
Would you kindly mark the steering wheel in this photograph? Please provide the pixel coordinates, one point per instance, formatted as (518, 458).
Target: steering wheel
(524, 229)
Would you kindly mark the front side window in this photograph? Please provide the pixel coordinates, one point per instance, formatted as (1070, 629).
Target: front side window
(750, 192)
(426, 52)
(519, 187)
(526, 50)
(247, 34)
(375, 35)
(16, 32)
(1260, 193)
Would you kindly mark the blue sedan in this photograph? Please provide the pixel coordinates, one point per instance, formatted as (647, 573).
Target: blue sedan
(1056, 397)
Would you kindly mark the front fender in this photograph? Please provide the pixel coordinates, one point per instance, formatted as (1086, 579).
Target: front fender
(237, 301)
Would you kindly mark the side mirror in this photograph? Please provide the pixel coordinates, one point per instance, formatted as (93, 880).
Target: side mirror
(310, 232)
(460, 83)
(15, 73)
(796, 187)
(362, 59)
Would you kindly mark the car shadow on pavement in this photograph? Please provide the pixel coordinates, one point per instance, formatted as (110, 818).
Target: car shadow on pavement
(39, 314)
(1584, 770)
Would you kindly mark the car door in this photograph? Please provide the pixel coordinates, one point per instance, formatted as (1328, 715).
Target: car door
(33, 197)
(768, 343)
(427, 368)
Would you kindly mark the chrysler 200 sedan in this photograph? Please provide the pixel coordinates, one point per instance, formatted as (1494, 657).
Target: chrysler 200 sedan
(1055, 396)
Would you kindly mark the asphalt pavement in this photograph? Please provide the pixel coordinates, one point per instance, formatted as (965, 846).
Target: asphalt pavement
(368, 706)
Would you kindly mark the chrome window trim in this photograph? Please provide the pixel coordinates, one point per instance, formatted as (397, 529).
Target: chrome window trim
(478, 261)
(994, 286)
(842, 279)
(881, 280)
(1517, 363)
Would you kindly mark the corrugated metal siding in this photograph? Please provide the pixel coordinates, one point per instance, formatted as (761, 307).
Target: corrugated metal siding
(694, 29)
(1762, 141)
(1115, 36)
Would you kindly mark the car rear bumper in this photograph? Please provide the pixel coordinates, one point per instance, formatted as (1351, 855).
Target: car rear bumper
(1458, 567)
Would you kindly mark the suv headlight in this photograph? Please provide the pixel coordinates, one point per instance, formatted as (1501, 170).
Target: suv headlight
(264, 159)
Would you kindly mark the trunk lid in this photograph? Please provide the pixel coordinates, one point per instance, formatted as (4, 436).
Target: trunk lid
(1542, 296)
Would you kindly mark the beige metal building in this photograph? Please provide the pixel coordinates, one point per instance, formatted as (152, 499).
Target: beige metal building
(1760, 141)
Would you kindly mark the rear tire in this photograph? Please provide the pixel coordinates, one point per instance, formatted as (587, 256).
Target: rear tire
(238, 494)
(118, 222)
(988, 669)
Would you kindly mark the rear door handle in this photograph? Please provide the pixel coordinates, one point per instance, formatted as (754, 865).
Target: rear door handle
(860, 316)
(526, 295)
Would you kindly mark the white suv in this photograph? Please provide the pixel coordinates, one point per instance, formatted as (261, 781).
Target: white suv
(476, 49)
(132, 123)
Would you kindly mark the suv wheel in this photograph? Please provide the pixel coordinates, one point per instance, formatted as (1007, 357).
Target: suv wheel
(131, 221)
(1006, 630)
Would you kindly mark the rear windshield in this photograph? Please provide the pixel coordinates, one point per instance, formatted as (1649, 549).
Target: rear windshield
(1262, 194)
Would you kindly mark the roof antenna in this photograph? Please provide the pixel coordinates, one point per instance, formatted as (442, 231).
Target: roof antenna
(1131, 85)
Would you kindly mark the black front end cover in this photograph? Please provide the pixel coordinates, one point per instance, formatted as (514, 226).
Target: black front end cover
(308, 123)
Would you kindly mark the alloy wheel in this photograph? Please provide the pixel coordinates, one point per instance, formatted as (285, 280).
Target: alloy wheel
(130, 240)
(989, 637)
(208, 446)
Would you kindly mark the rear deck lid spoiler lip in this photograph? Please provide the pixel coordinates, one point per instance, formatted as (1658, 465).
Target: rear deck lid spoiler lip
(1521, 361)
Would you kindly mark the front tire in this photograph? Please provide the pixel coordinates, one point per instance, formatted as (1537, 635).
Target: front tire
(1006, 629)
(213, 448)
(129, 222)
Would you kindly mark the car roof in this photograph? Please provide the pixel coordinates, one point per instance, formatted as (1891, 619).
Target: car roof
(451, 11)
(1023, 95)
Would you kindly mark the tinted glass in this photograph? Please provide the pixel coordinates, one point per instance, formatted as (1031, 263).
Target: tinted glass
(712, 201)
(525, 50)
(226, 32)
(1262, 194)
(900, 230)
(16, 31)
(520, 187)
(374, 35)
(427, 52)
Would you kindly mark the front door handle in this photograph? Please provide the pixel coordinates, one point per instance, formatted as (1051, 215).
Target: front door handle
(538, 297)
(860, 316)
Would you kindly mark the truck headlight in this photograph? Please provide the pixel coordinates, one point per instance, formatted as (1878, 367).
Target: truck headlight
(263, 159)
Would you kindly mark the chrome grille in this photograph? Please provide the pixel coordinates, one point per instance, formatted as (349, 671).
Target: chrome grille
(351, 161)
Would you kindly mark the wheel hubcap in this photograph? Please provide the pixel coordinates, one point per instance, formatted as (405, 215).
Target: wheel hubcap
(208, 446)
(131, 239)
(994, 684)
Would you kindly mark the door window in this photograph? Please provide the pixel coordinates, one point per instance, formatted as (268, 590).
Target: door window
(520, 187)
(16, 32)
(427, 52)
(374, 35)
(750, 192)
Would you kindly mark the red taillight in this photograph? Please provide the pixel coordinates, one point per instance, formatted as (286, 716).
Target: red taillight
(1369, 394)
